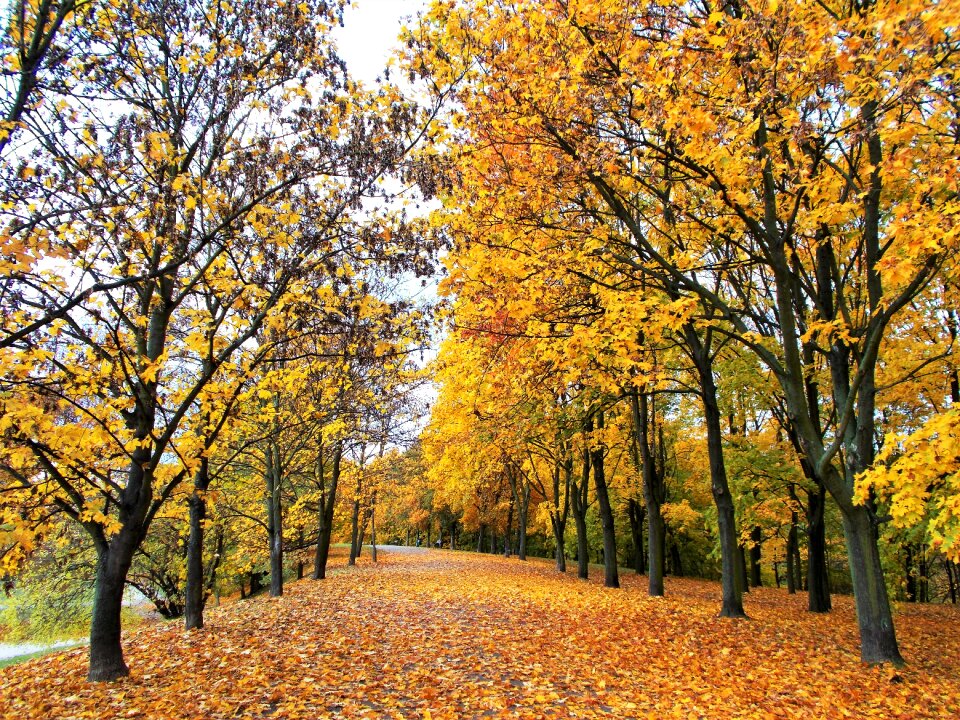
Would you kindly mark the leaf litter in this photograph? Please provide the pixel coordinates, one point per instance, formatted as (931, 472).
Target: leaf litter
(446, 635)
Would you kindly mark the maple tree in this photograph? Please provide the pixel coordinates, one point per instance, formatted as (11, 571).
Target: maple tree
(699, 297)
(764, 166)
(197, 166)
(32, 48)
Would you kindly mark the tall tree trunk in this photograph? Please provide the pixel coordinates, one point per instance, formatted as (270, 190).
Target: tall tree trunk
(558, 518)
(635, 513)
(328, 499)
(742, 577)
(197, 505)
(852, 374)
(522, 521)
(877, 639)
(726, 521)
(756, 538)
(818, 579)
(373, 528)
(792, 541)
(355, 531)
(560, 553)
(579, 506)
(654, 492)
(676, 561)
(952, 579)
(610, 575)
(275, 520)
(106, 653)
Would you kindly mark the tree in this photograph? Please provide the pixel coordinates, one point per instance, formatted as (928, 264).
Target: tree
(210, 156)
(740, 160)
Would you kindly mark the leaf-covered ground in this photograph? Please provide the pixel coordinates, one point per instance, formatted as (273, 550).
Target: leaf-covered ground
(436, 634)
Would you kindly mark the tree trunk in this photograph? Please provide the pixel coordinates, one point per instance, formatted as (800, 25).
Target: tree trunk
(676, 561)
(274, 521)
(952, 580)
(522, 522)
(106, 653)
(193, 610)
(742, 568)
(579, 506)
(756, 538)
(560, 554)
(792, 540)
(878, 642)
(727, 527)
(558, 519)
(507, 550)
(654, 493)
(197, 504)
(635, 513)
(373, 529)
(328, 501)
(610, 575)
(818, 580)
(355, 531)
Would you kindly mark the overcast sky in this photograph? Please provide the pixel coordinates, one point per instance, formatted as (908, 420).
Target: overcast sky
(370, 33)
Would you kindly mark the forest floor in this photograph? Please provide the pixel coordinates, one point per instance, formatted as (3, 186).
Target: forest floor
(437, 634)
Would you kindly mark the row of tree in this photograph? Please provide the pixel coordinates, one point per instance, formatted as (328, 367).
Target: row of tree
(703, 280)
(728, 221)
(201, 313)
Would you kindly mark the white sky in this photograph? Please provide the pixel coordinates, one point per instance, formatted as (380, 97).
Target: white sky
(370, 33)
(367, 39)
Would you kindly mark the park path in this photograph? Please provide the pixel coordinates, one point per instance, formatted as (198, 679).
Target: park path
(437, 634)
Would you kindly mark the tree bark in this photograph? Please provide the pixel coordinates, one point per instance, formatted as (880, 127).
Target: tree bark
(106, 652)
(792, 541)
(579, 506)
(507, 549)
(818, 579)
(635, 513)
(373, 528)
(610, 575)
(327, 503)
(197, 504)
(558, 518)
(522, 521)
(878, 642)
(274, 520)
(355, 530)
(654, 493)
(727, 527)
(756, 538)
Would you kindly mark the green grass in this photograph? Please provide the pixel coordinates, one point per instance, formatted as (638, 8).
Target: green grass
(35, 654)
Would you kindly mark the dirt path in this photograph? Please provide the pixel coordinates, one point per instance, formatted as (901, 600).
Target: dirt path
(452, 635)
